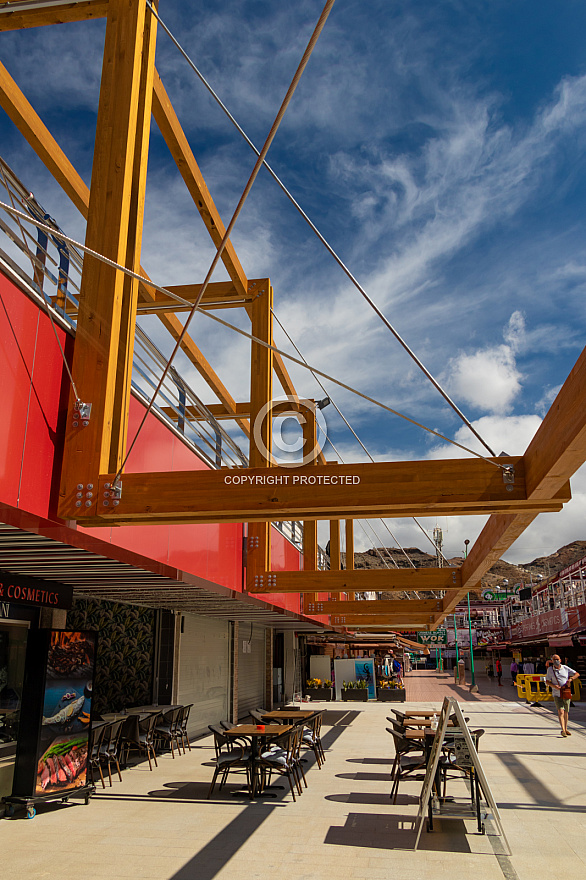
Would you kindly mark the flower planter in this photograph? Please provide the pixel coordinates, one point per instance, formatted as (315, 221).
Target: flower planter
(391, 695)
(355, 695)
(322, 694)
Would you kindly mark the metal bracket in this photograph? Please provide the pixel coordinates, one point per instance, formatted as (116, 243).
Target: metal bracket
(81, 413)
(112, 491)
(509, 477)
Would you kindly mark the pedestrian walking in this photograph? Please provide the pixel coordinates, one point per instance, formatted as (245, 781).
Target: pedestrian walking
(560, 677)
(499, 671)
(514, 671)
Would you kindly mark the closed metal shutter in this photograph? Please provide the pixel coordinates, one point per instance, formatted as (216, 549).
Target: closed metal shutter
(251, 668)
(204, 671)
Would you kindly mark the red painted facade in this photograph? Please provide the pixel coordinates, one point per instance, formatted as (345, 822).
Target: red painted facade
(33, 401)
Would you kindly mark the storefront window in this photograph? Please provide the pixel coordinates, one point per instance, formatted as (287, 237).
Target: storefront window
(13, 638)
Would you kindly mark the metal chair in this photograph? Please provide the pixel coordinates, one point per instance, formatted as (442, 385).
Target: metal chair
(109, 749)
(167, 729)
(141, 735)
(405, 762)
(230, 756)
(283, 760)
(311, 738)
(94, 763)
(183, 719)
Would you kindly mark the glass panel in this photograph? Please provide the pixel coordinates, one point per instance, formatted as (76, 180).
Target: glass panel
(12, 656)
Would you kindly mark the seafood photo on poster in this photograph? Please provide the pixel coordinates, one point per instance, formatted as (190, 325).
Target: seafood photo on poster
(63, 747)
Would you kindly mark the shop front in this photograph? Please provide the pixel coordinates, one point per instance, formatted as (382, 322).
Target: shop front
(22, 601)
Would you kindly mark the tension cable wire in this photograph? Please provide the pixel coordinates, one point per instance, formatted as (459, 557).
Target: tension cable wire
(250, 336)
(323, 240)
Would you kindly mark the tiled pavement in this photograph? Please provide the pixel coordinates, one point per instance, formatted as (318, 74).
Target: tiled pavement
(160, 825)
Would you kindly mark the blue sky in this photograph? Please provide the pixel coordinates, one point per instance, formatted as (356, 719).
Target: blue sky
(438, 146)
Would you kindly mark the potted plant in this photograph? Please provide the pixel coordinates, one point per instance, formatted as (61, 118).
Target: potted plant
(355, 691)
(318, 690)
(389, 691)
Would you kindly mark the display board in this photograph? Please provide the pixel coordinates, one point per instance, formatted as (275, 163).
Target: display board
(464, 744)
(364, 671)
(52, 751)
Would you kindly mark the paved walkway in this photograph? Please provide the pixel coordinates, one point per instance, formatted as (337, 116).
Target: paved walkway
(160, 825)
(423, 685)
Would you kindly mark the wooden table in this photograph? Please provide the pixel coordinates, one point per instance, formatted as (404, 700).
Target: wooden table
(422, 722)
(416, 713)
(271, 731)
(287, 716)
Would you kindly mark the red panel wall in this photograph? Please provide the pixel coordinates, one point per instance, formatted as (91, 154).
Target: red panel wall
(33, 400)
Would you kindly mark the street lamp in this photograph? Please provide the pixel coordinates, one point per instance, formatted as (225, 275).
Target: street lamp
(473, 685)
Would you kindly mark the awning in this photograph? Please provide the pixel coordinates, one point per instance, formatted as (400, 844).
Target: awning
(563, 639)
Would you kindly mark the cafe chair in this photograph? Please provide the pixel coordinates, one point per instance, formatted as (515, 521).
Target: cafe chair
(167, 729)
(109, 750)
(283, 760)
(94, 763)
(405, 761)
(311, 738)
(227, 725)
(230, 756)
(182, 726)
(142, 736)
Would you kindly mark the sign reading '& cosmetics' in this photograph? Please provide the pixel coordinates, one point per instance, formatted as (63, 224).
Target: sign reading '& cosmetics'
(31, 591)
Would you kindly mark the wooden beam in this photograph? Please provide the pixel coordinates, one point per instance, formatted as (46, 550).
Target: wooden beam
(258, 559)
(365, 490)
(122, 392)
(349, 559)
(97, 445)
(219, 411)
(47, 15)
(16, 106)
(36, 133)
(558, 448)
(309, 450)
(178, 145)
(365, 580)
(554, 455)
(403, 607)
(393, 621)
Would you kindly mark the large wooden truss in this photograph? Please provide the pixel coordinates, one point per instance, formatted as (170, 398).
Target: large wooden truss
(131, 92)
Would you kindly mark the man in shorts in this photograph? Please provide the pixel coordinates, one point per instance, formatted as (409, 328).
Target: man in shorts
(559, 677)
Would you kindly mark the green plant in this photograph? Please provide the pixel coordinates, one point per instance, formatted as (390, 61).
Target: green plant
(313, 683)
(362, 684)
(328, 683)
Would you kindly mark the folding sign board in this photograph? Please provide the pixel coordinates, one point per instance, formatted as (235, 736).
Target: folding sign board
(466, 752)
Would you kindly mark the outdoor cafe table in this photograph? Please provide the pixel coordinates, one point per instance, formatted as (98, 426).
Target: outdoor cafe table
(415, 713)
(287, 716)
(272, 731)
(422, 722)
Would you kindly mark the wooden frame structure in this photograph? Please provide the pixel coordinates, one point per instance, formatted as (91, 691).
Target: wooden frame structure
(131, 91)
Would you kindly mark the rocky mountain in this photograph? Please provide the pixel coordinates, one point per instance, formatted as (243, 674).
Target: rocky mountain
(527, 572)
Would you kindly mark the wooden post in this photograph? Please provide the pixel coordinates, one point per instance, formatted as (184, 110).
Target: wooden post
(350, 551)
(258, 555)
(105, 324)
(310, 526)
(335, 560)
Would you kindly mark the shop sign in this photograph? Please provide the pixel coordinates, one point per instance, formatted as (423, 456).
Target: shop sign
(33, 592)
(540, 624)
(463, 637)
(437, 637)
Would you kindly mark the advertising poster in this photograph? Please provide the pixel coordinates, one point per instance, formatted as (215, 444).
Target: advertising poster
(63, 744)
(364, 671)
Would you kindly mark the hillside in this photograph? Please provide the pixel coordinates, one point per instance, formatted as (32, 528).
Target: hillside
(501, 570)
